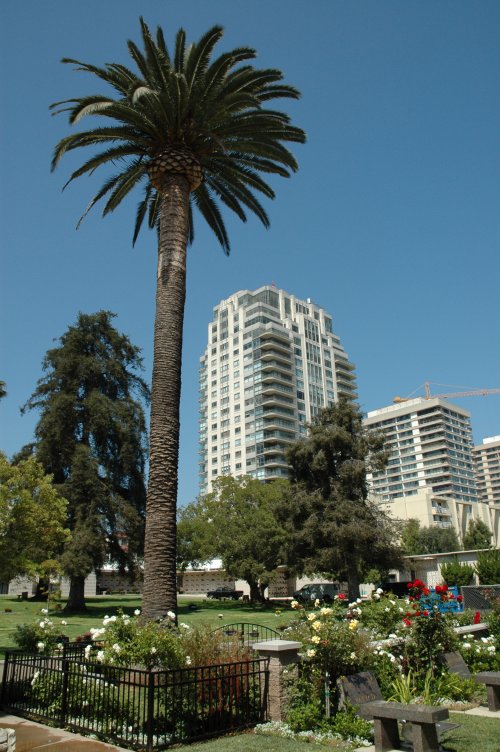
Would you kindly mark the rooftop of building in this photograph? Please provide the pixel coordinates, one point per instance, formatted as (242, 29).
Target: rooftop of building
(417, 403)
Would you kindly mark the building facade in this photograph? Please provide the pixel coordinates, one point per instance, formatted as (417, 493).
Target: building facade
(487, 468)
(430, 446)
(271, 362)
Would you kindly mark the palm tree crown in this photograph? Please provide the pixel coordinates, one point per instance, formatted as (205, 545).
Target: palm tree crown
(188, 114)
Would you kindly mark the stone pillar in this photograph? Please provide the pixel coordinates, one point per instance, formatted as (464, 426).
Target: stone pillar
(7, 740)
(282, 654)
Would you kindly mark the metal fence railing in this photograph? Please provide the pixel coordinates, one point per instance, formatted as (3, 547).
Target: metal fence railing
(247, 634)
(478, 597)
(136, 708)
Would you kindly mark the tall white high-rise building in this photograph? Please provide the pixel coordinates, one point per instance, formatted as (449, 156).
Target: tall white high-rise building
(430, 447)
(487, 467)
(272, 361)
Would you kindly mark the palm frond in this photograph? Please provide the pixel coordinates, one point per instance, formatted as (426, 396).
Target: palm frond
(212, 216)
(215, 106)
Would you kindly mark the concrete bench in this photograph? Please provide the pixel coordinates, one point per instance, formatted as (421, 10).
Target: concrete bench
(423, 719)
(492, 681)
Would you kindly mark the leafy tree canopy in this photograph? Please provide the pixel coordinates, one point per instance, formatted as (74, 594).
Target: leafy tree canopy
(236, 521)
(334, 528)
(91, 436)
(478, 535)
(32, 518)
(428, 540)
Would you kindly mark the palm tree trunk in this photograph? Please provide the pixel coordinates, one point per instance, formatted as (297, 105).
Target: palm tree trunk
(159, 594)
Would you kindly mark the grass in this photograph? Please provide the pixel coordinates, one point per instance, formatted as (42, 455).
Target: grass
(474, 733)
(191, 610)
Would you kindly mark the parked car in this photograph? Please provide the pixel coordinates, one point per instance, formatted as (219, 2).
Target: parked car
(322, 591)
(225, 592)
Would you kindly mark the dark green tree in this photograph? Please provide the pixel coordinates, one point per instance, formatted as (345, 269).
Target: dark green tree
(196, 132)
(237, 522)
(418, 540)
(334, 528)
(478, 535)
(91, 436)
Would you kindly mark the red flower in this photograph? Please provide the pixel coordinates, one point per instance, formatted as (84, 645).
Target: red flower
(407, 622)
(409, 585)
(411, 598)
(460, 598)
(417, 613)
(425, 613)
(477, 618)
(342, 596)
(425, 591)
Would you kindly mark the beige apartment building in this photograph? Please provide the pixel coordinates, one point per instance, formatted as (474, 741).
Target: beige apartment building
(486, 458)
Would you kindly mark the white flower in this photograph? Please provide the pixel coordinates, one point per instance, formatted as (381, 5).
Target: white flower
(353, 656)
(316, 625)
(491, 649)
(375, 596)
(387, 608)
(183, 625)
(153, 651)
(35, 677)
(401, 610)
(100, 655)
(325, 611)
(466, 644)
(60, 646)
(393, 636)
(379, 591)
(316, 639)
(116, 648)
(311, 653)
(311, 617)
(317, 603)
(42, 625)
(171, 615)
(484, 639)
(137, 612)
(393, 602)
(294, 604)
(40, 645)
(44, 610)
(188, 660)
(87, 650)
(392, 658)
(221, 616)
(64, 623)
(358, 600)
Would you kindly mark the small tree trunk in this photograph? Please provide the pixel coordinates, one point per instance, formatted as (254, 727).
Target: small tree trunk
(255, 596)
(76, 597)
(352, 583)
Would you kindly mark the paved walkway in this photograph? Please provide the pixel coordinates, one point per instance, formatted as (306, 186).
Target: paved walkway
(35, 736)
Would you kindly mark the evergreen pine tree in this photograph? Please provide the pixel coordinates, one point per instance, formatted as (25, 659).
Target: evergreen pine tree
(91, 436)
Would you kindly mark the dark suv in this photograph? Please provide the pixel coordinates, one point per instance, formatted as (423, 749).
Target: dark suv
(321, 591)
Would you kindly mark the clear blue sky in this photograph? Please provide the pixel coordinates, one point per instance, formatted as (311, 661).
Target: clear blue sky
(391, 224)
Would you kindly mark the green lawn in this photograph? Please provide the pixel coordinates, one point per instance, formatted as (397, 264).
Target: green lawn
(474, 733)
(191, 610)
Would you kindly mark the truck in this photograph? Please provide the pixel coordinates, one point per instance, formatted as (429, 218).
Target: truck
(225, 592)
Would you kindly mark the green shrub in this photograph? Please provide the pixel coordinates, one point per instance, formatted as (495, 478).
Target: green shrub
(488, 567)
(348, 724)
(454, 573)
(42, 636)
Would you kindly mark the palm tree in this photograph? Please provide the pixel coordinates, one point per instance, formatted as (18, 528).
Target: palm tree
(194, 129)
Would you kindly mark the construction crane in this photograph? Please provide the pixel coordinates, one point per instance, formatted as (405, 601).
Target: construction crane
(449, 395)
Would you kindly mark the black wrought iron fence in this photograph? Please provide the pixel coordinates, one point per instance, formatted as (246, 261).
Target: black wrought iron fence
(136, 708)
(247, 634)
